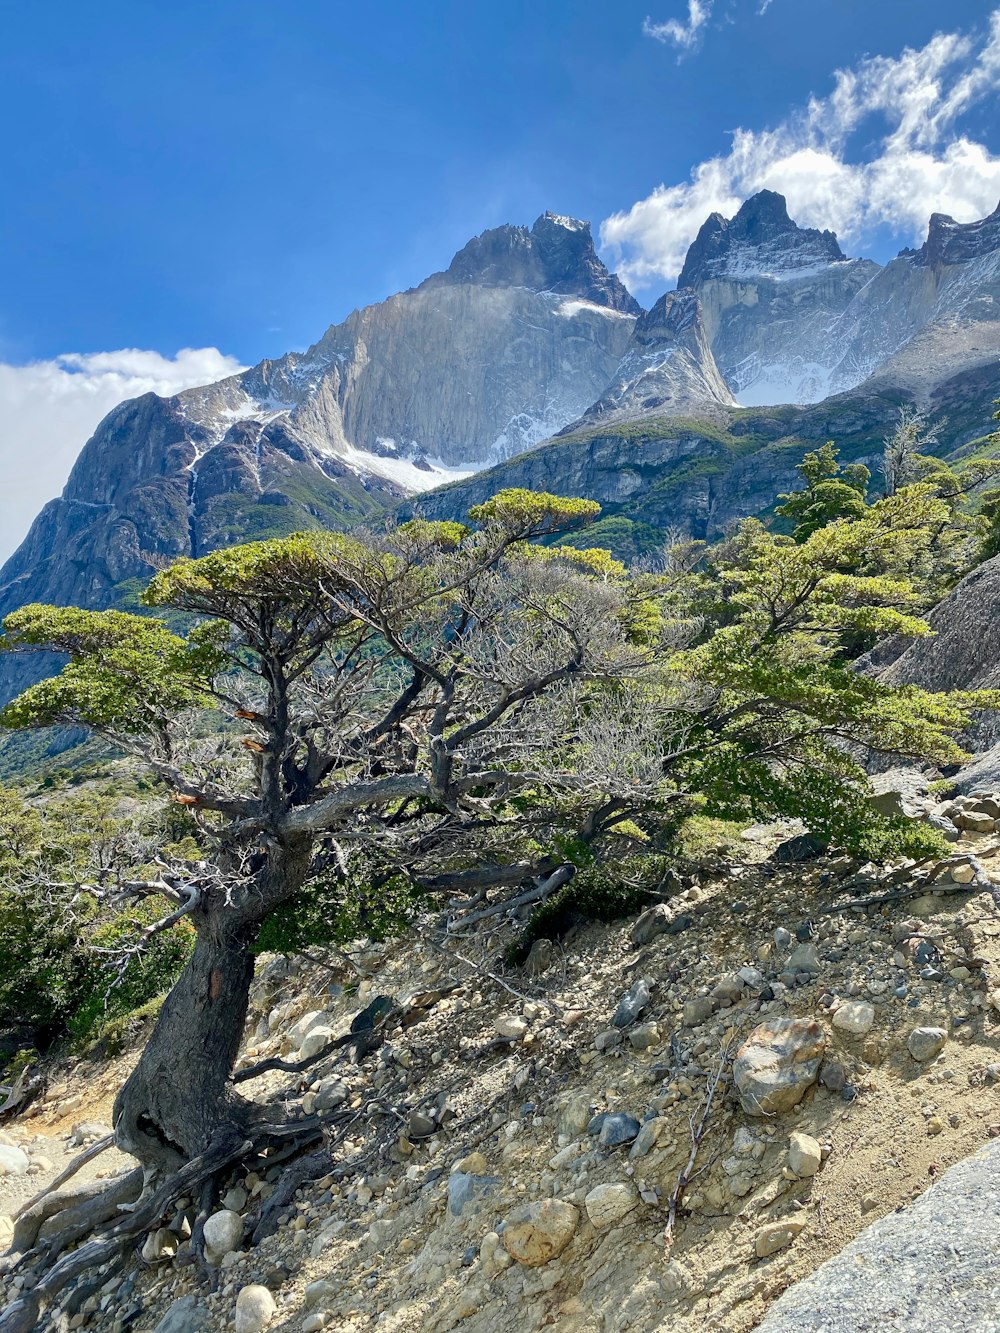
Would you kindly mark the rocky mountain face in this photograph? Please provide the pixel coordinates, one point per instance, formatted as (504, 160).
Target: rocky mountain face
(791, 319)
(667, 370)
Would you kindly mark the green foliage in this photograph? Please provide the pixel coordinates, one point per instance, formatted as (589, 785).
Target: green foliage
(593, 894)
(338, 911)
(126, 673)
(831, 492)
(60, 957)
(534, 513)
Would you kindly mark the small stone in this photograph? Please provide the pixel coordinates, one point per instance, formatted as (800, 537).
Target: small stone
(648, 1136)
(782, 938)
(832, 1075)
(924, 1043)
(465, 1188)
(696, 1011)
(632, 1004)
(604, 1041)
(314, 1041)
(223, 1235)
(655, 921)
(618, 1128)
(419, 1126)
(329, 1093)
(855, 1018)
(186, 1315)
(776, 1237)
(536, 1233)
(643, 1036)
(510, 1026)
(236, 1199)
(805, 1156)
(474, 1164)
(935, 1125)
(608, 1204)
(255, 1308)
(804, 959)
(13, 1161)
(963, 873)
(574, 1117)
(319, 1292)
(540, 958)
(314, 1322)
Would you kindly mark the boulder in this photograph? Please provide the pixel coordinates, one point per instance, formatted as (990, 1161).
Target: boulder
(255, 1308)
(777, 1063)
(223, 1235)
(536, 1233)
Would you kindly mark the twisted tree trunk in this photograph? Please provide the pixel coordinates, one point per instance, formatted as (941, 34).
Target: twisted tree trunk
(180, 1093)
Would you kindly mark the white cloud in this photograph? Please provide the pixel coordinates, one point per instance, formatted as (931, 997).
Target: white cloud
(49, 409)
(685, 36)
(918, 163)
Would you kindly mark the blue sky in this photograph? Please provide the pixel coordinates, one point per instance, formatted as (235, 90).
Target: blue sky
(231, 177)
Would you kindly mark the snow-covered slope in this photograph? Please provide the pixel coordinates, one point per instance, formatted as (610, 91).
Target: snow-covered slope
(668, 370)
(771, 295)
(791, 319)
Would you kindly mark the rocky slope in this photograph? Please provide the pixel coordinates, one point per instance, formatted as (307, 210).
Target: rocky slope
(506, 1144)
(791, 319)
(701, 473)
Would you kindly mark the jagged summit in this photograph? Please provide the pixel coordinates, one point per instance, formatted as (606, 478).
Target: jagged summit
(760, 241)
(951, 242)
(555, 255)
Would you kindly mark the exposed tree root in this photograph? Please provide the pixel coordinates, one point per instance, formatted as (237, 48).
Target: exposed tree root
(80, 1160)
(24, 1315)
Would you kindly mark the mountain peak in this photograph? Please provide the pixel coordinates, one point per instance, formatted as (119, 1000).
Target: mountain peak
(760, 241)
(951, 242)
(556, 255)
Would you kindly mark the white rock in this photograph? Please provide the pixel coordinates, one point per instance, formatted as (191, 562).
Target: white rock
(804, 1154)
(299, 1030)
(255, 1308)
(315, 1039)
(511, 1026)
(223, 1235)
(608, 1204)
(855, 1018)
(13, 1161)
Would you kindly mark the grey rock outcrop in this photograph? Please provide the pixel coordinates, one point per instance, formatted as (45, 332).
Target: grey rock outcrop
(928, 1268)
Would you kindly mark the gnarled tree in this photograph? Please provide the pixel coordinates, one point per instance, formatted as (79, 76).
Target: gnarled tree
(413, 707)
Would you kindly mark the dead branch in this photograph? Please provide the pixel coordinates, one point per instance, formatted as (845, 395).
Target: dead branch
(699, 1128)
(562, 875)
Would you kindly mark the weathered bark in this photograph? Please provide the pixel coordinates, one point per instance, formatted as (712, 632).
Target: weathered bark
(180, 1093)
